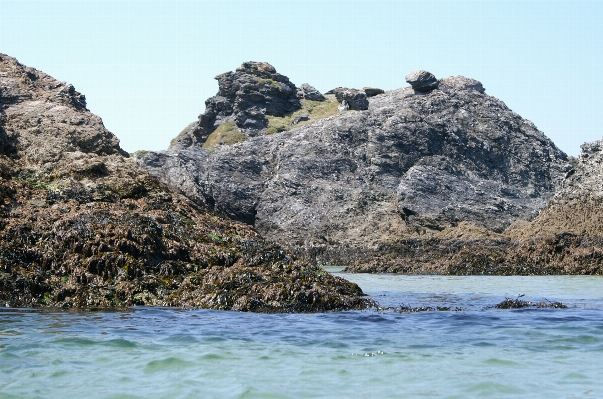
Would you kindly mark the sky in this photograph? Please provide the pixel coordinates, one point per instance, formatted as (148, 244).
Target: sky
(147, 67)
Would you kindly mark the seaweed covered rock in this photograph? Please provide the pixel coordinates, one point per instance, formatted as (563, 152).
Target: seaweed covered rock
(577, 208)
(413, 164)
(83, 225)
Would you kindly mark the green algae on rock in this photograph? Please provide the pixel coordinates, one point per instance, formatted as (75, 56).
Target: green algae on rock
(84, 226)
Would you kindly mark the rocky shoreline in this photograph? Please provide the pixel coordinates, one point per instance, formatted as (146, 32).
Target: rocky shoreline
(82, 225)
(273, 181)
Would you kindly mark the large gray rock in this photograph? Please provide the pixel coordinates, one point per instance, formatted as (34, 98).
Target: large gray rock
(422, 81)
(408, 165)
(356, 99)
(42, 117)
(310, 93)
(246, 96)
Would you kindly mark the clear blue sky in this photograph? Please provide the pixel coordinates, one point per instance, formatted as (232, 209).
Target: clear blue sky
(147, 67)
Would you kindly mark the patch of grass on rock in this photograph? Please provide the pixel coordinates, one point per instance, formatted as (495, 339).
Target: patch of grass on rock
(316, 110)
(225, 134)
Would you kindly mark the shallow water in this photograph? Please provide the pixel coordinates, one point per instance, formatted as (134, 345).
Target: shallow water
(476, 352)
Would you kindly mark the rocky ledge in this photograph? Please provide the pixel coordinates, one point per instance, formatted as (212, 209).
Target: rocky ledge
(83, 225)
(412, 163)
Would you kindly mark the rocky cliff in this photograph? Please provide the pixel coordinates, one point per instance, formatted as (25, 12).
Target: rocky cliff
(83, 225)
(411, 163)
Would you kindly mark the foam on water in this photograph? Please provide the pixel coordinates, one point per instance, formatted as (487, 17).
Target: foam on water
(476, 352)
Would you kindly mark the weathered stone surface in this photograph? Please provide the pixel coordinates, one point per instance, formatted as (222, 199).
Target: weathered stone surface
(310, 93)
(247, 95)
(565, 238)
(43, 117)
(422, 81)
(577, 208)
(356, 99)
(372, 91)
(82, 225)
(409, 166)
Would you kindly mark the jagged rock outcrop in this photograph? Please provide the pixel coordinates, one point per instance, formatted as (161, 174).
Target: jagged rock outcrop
(83, 225)
(245, 96)
(310, 93)
(414, 163)
(43, 117)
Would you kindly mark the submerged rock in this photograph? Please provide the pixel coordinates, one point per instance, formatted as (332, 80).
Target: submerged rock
(82, 225)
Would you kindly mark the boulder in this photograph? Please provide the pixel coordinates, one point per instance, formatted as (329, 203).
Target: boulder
(356, 99)
(372, 91)
(300, 118)
(422, 81)
(310, 93)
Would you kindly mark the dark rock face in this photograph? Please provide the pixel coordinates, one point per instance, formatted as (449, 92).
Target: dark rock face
(356, 99)
(372, 91)
(422, 81)
(82, 225)
(310, 93)
(413, 164)
(246, 96)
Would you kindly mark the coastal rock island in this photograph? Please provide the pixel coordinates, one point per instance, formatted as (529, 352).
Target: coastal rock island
(363, 172)
(83, 225)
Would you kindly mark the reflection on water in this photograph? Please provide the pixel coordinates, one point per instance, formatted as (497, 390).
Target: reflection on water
(477, 352)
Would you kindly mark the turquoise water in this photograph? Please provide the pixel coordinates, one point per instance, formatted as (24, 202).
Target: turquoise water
(476, 352)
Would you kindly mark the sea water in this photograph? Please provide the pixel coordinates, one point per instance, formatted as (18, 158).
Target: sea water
(471, 351)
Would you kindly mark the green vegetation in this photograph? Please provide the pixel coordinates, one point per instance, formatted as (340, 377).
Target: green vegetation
(315, 110)
(225, 134)
(267, 82)
(214, 236)
(33, 180)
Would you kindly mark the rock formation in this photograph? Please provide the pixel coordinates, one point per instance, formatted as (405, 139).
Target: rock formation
(565, 238)
(422, 81)
(418, 161)
(310, 93)
(83, 225)
(578, 207)
(245, 96)
(372, 91)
